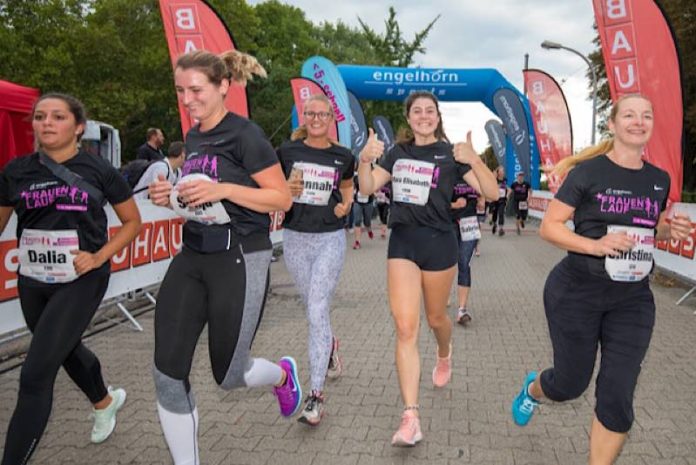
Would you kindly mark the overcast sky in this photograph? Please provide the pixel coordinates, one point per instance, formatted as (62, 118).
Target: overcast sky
(486, 34)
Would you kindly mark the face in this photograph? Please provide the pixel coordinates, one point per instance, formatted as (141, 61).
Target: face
(633, 124)
(319, 124)
(520, 178)
(201, 97)
(54, 124)
(423, 117)
(160, 139)
(500, 172)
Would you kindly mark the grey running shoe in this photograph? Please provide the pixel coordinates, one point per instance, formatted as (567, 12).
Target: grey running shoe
(313, 410)
(335, 362)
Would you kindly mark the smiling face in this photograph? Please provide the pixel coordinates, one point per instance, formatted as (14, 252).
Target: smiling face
(633, 123)
(318, 118)
(423, 118)
(202, 98)
(54, 125)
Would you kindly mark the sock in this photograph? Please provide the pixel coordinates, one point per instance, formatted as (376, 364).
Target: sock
(181, 434)
(263, 373)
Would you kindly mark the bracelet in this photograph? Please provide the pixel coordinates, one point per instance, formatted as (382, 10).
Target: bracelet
(411, 407)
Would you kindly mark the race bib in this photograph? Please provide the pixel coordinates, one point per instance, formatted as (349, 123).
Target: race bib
(318, 183)
(523, 206)
(502, 192)
(45, 255)
(469, 229)
(635, 264)
(411, 181)
(208, 213)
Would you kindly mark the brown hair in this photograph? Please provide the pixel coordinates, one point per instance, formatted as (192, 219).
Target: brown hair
(406, 135)
(151, 132)
(605, 146)
(232, 65)
(175, 149)
(74, 106)
(301, 131)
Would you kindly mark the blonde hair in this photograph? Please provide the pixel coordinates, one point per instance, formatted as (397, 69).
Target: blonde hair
(232, 65)
(301, 131)
(605, 146)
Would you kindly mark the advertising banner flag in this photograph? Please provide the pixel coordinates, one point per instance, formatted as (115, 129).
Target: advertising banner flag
(325, 73)
(496, 135)
(358, 127)
(191, 25)
(510, 109)
(640, 55)
(551, 119)
(302, 89)
(384, 131)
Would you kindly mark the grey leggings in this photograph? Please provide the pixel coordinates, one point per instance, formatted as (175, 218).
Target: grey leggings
(315, 261)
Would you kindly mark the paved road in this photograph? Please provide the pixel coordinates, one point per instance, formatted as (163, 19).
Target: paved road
(468, 422)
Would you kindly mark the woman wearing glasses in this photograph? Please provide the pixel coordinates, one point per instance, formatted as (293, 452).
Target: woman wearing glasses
(320, 174)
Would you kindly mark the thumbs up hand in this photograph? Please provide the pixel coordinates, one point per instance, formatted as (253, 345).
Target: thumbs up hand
(374, 148)
(464, 151)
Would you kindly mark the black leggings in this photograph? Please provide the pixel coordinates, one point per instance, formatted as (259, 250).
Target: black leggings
(499, 211)
(57, 315)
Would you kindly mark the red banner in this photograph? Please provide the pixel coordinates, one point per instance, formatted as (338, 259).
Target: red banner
(302, 89)
(641, 57)
(551, 118)
(193, 25)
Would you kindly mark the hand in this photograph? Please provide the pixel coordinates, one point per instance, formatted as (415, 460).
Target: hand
(296, 186)
(159, 191)
(85, 261)
(612, 245)
(459, 203)
(342, 209)
(680, 227)
(374, 148)
(464, 151)
(200, 191)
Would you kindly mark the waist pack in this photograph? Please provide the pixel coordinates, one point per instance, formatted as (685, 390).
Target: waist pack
(211, 238)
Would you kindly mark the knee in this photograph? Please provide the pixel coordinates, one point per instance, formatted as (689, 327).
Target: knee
(614, 407)
(407, 332)
(34, 379)
(438, 320)
(560, 388)
(174, 395)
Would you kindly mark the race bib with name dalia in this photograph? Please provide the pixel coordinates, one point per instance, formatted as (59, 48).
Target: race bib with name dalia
(45, 255)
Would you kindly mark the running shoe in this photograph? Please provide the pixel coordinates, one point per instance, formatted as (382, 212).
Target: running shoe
(335, 362)
(370, 234)
(519, 231)
(409, 432)
(356, 245)
(464, 316)
(383, 235)
(477, 253)
(290, 393)
(501, 232)
(442, 373)
(314, 409)
(522, 223)
(524, 404)
(105, 419)
(495, 228)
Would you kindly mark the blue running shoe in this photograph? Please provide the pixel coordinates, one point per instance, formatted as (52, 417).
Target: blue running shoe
(524, 404)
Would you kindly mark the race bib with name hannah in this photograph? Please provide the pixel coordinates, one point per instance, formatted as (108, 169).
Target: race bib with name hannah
(635, 264)
(318, 183)
(469, 228)
(411, 181)
(208, 213)
(45, 255)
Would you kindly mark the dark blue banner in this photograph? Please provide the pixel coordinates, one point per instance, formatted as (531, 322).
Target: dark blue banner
(384, 131)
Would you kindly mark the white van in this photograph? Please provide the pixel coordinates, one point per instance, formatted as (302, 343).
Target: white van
(102, 139)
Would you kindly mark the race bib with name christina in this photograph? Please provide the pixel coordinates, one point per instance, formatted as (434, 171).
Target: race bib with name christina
(411, 181)
(45, 255)
(318, 183)
(208, 213)
(635, 264)
(469, 229)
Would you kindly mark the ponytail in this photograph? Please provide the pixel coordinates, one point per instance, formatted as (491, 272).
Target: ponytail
(568, 163)
(242, 66)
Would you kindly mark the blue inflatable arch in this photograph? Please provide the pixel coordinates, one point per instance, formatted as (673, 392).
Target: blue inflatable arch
(449, 85)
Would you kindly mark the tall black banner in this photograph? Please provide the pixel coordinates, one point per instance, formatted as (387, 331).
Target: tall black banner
(510, 109)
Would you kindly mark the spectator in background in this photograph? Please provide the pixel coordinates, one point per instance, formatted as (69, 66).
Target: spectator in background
(152, 149)
(168, 169)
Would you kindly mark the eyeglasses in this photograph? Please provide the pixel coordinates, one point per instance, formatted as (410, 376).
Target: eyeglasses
(322, 115)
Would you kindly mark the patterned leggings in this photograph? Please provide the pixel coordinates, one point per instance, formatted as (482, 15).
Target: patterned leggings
(315, 261)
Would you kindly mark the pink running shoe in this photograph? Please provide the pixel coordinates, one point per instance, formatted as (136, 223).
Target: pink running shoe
(370, 234)
(335, 362)
(290, 393)
(409, 433)
(442, 373)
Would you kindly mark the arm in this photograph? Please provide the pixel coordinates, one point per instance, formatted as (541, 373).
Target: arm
(678, 228)
(5, 214)
(371, 180)
(346, 189)
(129, 215)
(464, 153)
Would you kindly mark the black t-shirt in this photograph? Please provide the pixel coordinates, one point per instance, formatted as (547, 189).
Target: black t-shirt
(604, 193)
(502, 187)
(42, 201)
(430, 170)
(145, 152)
(231, 152)
(339, 160)
(464, 190)
(520, 190)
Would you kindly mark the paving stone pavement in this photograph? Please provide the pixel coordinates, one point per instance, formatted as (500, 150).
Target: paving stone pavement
(468, 422)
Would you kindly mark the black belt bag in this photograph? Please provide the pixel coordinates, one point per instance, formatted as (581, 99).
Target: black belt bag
(212, 238)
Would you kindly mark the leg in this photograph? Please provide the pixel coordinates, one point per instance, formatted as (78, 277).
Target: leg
(605, 445)
(466, 251)
(358, 215)
(436, 286)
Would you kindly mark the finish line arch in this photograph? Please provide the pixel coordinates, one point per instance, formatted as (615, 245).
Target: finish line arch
(456, 85)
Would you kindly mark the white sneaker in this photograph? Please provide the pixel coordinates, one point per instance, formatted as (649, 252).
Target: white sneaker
(105, 419)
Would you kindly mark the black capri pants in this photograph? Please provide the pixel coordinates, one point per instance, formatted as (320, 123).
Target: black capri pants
(585, 312)
(430, 249)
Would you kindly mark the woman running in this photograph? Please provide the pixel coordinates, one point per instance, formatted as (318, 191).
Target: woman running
(362, 214)
(231, 181)
(520, 191)
(599, 295)
(314, 243)
(58, 194)
(498, 206)
(422, 250)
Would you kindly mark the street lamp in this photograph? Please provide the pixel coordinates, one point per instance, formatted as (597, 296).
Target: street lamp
(549, 45)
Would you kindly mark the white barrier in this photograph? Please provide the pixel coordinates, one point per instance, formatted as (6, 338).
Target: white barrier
(140, 265)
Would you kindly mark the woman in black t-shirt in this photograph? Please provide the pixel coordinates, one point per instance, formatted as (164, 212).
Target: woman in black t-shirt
(599, 295)
(422, 246)
(314, 243)
(231, 181)
(64, 256)
(498, 206)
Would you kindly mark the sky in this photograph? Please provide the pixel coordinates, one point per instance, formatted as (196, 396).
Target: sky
(486, 34)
